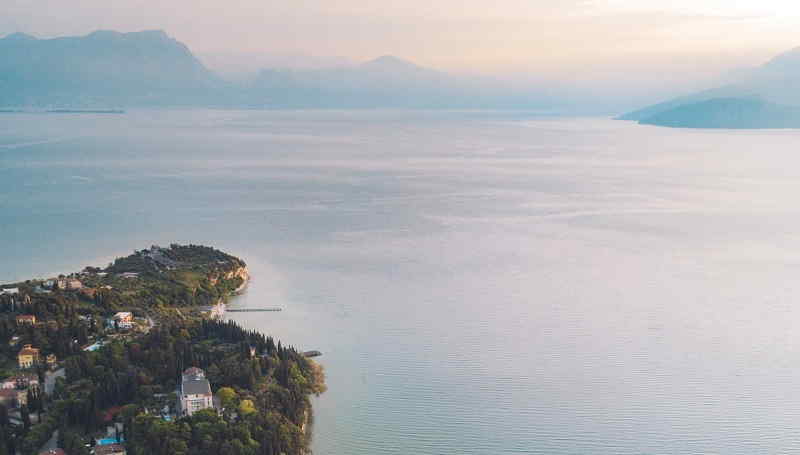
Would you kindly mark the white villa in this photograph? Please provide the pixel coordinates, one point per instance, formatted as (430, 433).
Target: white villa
(124, 319)
(195, 393)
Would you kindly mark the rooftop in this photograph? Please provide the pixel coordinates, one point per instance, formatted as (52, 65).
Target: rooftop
(195, 386)
(109, 449)
(194, 371)
(24, 377)
(28, 350)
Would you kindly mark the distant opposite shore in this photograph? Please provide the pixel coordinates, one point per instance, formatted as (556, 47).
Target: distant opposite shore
(720, 113)
(62, 111)
(764, 97)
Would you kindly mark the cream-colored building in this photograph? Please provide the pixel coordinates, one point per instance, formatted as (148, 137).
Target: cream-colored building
(26, 319)
(28, 357)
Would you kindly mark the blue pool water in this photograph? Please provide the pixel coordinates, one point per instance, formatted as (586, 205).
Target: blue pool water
(107, 441)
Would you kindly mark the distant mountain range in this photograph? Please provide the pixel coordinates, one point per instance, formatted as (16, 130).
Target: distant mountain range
(111, 69)
(768, 97)
(102, 68)
(385, 81)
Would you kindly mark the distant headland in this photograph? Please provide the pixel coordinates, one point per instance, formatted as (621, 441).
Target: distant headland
(766, 98)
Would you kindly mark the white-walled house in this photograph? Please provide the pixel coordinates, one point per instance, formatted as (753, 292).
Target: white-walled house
(124, 319)
(195, 393)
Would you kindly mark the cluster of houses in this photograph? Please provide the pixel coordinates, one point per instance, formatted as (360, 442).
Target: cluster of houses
(29, 319)
(30, 357)
(194, 392)
(73, 282)
(14, 390)
(64, 283)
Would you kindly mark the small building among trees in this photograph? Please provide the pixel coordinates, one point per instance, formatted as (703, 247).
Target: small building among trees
(28, 357)
(26, 319)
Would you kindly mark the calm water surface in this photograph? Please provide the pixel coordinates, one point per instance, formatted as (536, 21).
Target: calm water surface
(479, 283)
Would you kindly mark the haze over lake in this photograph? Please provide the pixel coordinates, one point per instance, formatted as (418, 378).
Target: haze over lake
(479, 282)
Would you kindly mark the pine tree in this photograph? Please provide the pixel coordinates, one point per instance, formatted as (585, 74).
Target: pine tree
(26, 417)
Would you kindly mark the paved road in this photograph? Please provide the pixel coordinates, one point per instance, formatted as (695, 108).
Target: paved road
(52, 443)
(50, 380)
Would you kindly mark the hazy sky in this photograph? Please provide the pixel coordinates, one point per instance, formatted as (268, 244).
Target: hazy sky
(682, 39)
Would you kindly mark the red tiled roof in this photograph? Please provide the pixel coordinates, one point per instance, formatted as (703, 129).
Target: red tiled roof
(109, 414)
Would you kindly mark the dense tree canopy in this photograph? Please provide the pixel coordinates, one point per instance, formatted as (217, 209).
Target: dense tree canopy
(262, 387)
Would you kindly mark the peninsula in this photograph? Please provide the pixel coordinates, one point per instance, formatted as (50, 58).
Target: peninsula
(765, 98)
(127, 359)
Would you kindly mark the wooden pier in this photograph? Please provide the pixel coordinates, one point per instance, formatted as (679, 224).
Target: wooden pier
(253, 310)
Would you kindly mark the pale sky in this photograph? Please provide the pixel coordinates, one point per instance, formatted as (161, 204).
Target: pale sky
(559, 38)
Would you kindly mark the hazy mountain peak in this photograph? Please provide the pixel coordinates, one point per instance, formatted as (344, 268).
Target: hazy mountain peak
(154, 35)
(103, 67)
(789, 60)
(388, 59)
(19, 36)
(390, 63)
(104, 34)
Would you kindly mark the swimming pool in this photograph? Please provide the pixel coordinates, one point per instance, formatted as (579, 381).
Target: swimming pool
(107, 441)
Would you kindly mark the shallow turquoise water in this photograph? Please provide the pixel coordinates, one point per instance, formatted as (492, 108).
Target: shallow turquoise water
(479, 283)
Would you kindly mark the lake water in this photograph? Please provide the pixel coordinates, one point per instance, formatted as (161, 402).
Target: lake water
(479, 283)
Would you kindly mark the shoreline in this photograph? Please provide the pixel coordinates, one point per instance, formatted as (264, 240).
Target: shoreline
(218, 311)
(244, 284)
(217, 339)
(306, 429)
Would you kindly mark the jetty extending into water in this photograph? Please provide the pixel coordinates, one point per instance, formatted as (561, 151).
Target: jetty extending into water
(253, 310)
